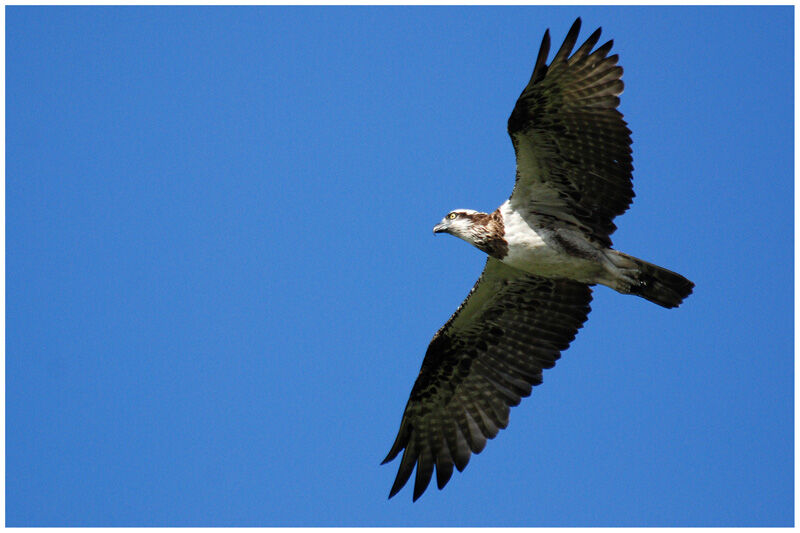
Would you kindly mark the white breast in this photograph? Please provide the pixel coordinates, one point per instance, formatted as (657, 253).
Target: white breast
(529, 252)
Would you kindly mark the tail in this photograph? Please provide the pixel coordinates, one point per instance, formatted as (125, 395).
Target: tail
(651, 282)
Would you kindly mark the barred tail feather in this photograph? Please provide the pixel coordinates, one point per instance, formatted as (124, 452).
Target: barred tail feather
(658, 285)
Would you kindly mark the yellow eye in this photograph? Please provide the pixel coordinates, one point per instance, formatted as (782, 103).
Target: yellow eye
(451, 216)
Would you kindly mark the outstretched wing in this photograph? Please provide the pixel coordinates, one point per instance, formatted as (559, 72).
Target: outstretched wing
(573, 146)
(482, 361)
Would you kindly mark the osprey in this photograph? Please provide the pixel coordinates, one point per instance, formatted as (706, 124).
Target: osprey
(547, 245)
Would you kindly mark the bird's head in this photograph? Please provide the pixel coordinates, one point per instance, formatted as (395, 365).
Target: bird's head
(460, 223)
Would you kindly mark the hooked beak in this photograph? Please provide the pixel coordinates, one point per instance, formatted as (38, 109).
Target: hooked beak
(441, 227)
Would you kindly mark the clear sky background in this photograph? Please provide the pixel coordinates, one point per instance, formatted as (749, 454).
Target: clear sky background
(221, 276)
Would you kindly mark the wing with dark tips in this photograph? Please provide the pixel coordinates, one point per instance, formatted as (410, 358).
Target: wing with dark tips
(573, 147)
(479, 364)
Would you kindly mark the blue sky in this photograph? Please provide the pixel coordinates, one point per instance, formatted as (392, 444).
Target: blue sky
(221, 277)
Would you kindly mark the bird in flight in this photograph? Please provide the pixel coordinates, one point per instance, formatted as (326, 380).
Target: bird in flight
(546, 245)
